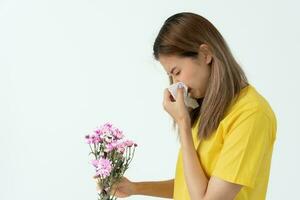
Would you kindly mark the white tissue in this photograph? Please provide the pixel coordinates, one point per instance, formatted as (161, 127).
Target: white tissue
(189, 102)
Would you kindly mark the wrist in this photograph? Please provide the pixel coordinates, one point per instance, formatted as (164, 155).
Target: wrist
(184, 124)
(135, 188)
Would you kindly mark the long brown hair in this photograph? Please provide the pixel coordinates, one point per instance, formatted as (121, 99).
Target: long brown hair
(181, 35)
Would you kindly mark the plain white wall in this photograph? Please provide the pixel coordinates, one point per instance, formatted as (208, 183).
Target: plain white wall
(68, 66)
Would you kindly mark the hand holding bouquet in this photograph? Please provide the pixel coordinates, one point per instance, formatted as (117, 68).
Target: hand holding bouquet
(112, 155)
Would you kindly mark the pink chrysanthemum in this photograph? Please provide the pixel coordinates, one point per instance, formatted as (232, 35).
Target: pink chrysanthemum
(103, 167)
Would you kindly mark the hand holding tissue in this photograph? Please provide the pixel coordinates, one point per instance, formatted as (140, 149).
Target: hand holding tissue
(189, 102)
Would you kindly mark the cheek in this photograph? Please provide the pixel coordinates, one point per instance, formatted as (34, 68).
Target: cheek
(188, 78)
(204, 79)
(200, 80)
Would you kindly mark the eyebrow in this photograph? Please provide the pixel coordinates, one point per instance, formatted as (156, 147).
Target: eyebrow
(171, 71)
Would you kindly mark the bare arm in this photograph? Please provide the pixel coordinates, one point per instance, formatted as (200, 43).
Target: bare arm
(163, 189)
(199, 186)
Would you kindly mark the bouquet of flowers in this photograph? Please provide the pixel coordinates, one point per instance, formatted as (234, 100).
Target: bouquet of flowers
(112, 155)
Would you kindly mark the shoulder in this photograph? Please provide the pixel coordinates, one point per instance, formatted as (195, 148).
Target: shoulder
(250, 101)
(250, 106)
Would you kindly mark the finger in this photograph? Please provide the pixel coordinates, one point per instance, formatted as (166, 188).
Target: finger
(98, 188)
(180, 94)
(166, 99)
(167, 95)
(113, 188)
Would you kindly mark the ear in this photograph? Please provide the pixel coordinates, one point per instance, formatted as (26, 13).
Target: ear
(204, 49)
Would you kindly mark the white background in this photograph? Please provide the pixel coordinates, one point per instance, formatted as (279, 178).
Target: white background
(68, 66)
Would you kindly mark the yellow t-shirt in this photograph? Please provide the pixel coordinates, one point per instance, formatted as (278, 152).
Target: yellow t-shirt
(240, 149)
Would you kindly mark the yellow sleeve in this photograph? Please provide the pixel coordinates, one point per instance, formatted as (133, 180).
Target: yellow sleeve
(245, 144)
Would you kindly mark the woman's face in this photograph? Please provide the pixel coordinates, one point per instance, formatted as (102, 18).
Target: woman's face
(194, 73)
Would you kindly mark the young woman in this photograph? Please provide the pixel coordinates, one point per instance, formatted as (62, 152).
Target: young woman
(227, 142)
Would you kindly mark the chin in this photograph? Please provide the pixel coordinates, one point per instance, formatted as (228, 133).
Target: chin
(195, 96)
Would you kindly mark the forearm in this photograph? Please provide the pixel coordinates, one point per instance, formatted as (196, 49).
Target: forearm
(195, 178)
(163, 189)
